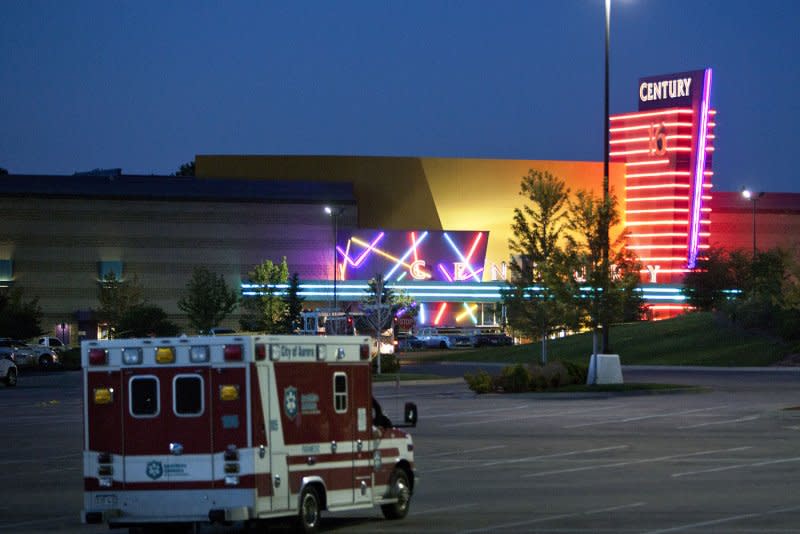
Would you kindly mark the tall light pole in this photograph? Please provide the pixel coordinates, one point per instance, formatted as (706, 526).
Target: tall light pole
(604, 223)
(753, 197)
(335, 212)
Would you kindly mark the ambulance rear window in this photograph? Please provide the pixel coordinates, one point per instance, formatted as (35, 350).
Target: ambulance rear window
(340, 392)
(144, 396)
(188, 395)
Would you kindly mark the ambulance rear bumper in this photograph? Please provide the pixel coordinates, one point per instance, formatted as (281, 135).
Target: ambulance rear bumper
(125, 508)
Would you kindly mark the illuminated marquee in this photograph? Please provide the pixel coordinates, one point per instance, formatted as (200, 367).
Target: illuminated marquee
(449, 258)
(423, 255)
(667, 149)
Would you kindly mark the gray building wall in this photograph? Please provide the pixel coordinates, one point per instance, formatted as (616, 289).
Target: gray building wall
(56, 245)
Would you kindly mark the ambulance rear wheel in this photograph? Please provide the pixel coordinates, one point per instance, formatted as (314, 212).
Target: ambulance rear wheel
(400, 490)
(309, 515)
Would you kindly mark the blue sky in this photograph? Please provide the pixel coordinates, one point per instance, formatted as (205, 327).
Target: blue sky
(146, 85)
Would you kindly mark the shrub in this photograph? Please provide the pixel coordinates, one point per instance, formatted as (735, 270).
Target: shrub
(515, 379)
(538, 381)
(390, 363)
(555, 375)
(480, 382)
(577, 372)
(71, 359)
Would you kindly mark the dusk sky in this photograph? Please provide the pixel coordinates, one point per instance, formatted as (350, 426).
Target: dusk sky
(147, 85)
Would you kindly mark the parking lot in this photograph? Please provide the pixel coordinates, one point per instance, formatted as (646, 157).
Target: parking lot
(722, 460)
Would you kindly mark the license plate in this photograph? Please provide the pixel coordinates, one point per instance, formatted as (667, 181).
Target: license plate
(105, 500)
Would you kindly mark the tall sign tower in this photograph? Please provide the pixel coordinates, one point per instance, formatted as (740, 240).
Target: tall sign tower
(667, 149)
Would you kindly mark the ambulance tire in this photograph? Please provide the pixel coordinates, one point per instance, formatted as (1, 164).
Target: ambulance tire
(309, 516)
(399, 489)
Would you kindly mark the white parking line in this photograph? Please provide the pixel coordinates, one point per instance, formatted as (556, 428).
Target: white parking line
(475, 412)
(644, 417)
(49, 520)
(463, 451)
(40, 460)
(556, 455)
(727, 421)
(631, 462)
(445, 509)
(723, 520)
(525, 459)
(737, 466)
(518, 524)
(531, 416)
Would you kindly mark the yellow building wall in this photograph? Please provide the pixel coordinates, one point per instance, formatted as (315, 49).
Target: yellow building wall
(425, 193)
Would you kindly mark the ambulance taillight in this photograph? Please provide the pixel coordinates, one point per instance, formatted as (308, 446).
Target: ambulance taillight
(105, 470)
(364, 352)
(231, 468)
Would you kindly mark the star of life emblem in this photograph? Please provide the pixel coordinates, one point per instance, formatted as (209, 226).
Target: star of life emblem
(290, 402)
(154, 470)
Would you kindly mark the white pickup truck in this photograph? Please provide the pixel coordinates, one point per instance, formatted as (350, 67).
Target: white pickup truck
(432, 339)
(52, 343)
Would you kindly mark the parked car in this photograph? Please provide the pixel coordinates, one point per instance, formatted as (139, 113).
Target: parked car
(52, 343)
(8, 371)
(433, 340)
(25, 355)
(409, 342)
(493, 340)
(465, 341)
(220, 331)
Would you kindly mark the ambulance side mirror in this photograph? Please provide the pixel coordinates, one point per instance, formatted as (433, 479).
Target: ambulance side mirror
(410, 414)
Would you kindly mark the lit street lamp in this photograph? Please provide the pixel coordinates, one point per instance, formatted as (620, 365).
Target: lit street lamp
(752, 197)
(334, 212)
(604, 213)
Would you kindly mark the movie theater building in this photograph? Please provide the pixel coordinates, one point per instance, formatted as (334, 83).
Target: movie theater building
(436, 228)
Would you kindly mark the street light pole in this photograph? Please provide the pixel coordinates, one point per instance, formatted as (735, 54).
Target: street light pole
(753, 197)
(335, 212)
(604, 223)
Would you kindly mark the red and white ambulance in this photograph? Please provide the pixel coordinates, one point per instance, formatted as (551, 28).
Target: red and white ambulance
(238, 428)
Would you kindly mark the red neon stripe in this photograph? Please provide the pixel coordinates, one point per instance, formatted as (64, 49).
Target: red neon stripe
(440, 313)
(657, 223)
(636, 115)
(643, 163)
(654, 199)
(660, 173)
(658, 186)
(474, 245)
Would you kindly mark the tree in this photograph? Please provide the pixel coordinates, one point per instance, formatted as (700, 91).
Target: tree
(19, 318)
(116, 298)
(380, 304)
(145, 321)
(265, 312)
(187, 169)
(3, 171)
(537, 267)
(593, 304)
(705, 286)
(292, 320)
(208, 299)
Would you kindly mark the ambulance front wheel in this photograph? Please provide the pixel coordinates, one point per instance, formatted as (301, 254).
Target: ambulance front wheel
(400, 490)
(309, 515)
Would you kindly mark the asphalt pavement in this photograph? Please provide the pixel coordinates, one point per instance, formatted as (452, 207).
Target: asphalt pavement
(722, 460)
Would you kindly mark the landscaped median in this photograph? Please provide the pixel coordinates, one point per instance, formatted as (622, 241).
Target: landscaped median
(561, 377)
(692, 339)
(697, 339)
